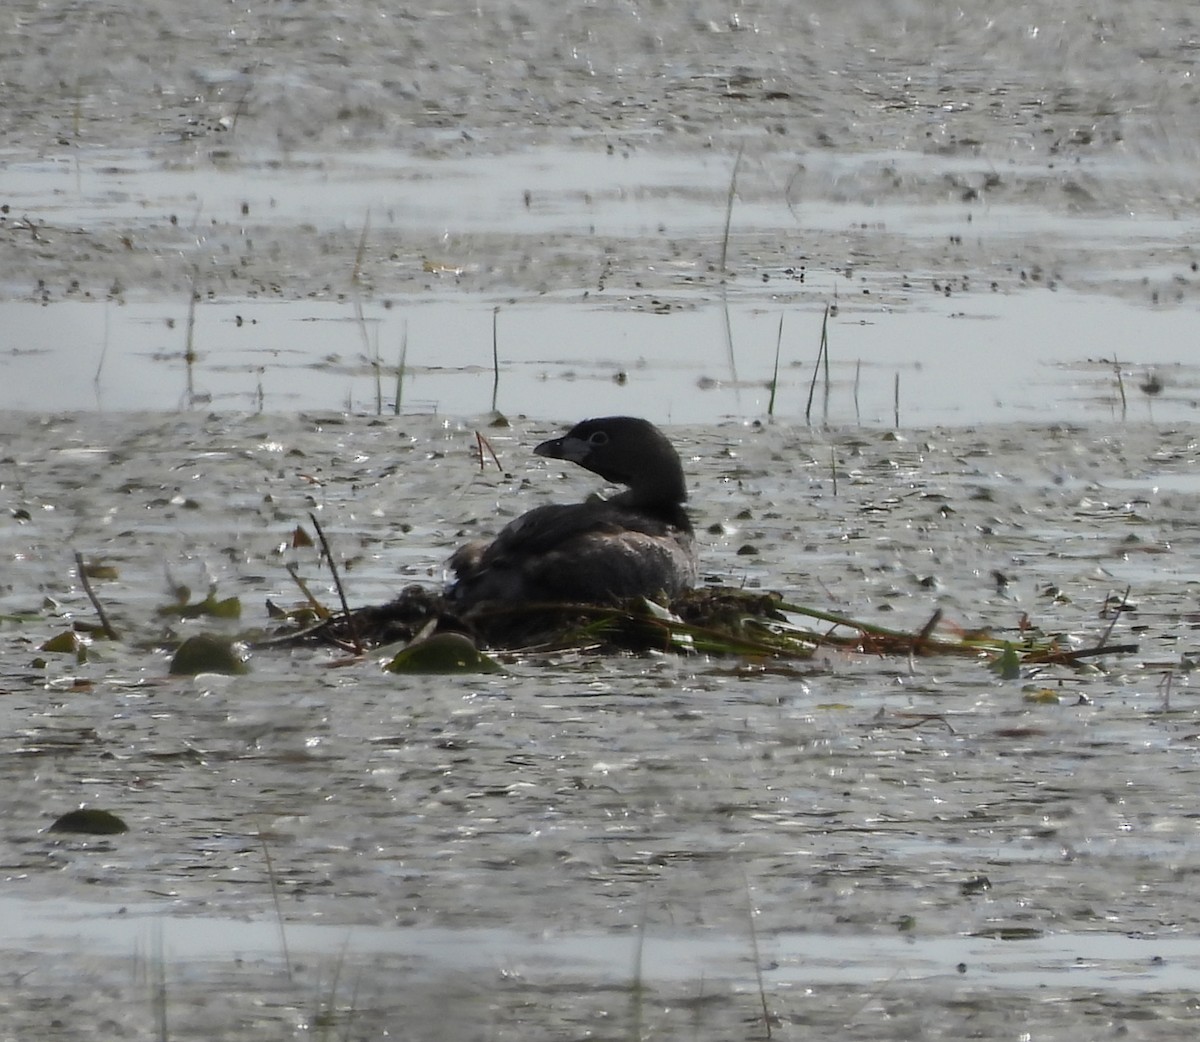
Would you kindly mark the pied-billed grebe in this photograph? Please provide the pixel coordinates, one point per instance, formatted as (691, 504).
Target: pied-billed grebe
(638, 543)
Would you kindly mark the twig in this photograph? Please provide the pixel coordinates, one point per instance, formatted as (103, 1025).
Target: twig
(105, 625)
(922, 719)
(1165, 685)
(926, 631)
(337, 582)
(482, 443)
(867, 628)
(1116, 615)
(1065, 658)
(315, 604)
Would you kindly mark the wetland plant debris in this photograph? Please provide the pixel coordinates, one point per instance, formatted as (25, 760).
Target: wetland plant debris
(327, 553)
(85, 579)
(90, 821)
(210, 607)
(712, 620)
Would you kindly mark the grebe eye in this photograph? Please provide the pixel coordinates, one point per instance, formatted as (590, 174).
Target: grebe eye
(598, 438)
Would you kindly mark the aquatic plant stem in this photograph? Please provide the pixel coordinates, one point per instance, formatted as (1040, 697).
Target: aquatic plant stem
(240, 107)
(1165, 687)
(775, 374)
(105, 625)
(287, 958)
(733, 370)
(1120, 388)
(637, 985)
(822, 350)
(825, 357)
(400, 369)
(737, 162)
(337, 582)
(356, 271)
(103, 354)
(762, 991)
(189, 342)
(360, 319)
(158, 960)
(495, 357)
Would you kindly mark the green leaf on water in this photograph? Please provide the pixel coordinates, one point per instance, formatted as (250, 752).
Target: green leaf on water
(443, 653)
(91, 821)
(210, 607)
(99, 570)
(65, 643)
(1041, 696)
(1008, 664)
(1010, 933)
(208, 653)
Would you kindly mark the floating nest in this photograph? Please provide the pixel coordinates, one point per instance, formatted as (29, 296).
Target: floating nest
(713, 620)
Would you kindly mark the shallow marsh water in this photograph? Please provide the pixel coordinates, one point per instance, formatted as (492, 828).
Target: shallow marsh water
(503, 840)
(1001, 204)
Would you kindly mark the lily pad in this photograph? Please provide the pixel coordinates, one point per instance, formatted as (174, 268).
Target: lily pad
(208, 653)
(91, 821)
(443, 653)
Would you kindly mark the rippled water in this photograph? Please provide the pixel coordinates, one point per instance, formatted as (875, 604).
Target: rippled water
(998, 201)
(854, 797)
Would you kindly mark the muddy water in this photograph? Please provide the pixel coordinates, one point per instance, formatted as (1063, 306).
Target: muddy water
(503, 841)
(929, 851)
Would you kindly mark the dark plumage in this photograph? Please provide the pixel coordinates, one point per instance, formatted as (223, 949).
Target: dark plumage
(639, 542)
